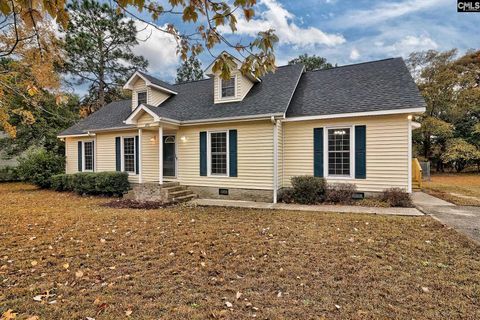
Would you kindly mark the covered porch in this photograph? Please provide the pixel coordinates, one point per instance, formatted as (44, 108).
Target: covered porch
(157, 153)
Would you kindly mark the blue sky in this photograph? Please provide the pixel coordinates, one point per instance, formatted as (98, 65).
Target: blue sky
(344, 32)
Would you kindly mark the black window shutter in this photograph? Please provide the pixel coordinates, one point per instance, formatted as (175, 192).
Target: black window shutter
(318, 152)
(360, 152)
(118, 154)
(93, 156)
(232, 136)
(137, 154)
(203, 153)
(80, 156)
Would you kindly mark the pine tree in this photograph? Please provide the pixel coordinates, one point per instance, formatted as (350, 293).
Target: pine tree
(99, 44)
(190, 70)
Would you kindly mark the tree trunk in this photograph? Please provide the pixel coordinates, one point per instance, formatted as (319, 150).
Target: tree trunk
(101, 75)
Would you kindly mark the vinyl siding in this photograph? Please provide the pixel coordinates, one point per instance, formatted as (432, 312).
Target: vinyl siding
(104, 155)
(254, 152)
(139, 86)
(154, 96)
(242, 87)
(149, 156)
(280, 154)
(144, 118)
(387, 150)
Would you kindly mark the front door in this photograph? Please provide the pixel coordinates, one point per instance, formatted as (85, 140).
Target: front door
(169, 156)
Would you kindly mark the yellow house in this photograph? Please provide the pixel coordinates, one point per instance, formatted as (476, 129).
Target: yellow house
(244, 138)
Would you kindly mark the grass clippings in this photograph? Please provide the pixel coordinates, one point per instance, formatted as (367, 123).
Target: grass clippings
(460, 189)
(69, 257)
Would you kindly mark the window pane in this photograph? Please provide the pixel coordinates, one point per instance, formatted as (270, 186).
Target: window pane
(129, 154)
(88, 155)
(218, 152)
(141, 98)
(228, 88)
(339, 151)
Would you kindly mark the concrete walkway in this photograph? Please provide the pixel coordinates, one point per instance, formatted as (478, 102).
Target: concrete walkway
(299, 207)
(464, 219)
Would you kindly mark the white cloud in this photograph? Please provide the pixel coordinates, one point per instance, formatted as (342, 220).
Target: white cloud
(409, 43)
(278, 18)
(354, 54)
(385, 11)
(159, 49)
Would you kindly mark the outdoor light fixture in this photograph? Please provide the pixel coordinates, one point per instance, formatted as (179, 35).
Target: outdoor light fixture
(183, 138)
(409, 117)
(152, 139)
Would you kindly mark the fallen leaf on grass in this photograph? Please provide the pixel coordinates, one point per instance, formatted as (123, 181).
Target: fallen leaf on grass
(128, 313)
(238, 295)
(33, 318)
(228, 304)
(79, 274)
(34, 263)
(66, 265)
(103, 240)
(8, 315)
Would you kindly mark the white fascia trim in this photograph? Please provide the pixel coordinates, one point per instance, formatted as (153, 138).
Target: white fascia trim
(416, 125)
(293, 92)
(135, 112)
(357, 114)
(231, 119)
(129, 85)
(76, 135)
(149, 84)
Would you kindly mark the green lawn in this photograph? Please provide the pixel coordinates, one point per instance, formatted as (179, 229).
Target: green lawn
(68, 257)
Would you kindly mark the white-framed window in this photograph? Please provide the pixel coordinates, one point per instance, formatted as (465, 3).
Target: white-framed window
(128, 157)
(218, 153)
(228, 87)
(88, 154)
(339, 152)
(141, 98)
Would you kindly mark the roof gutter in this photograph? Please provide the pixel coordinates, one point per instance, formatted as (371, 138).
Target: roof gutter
(232, 119)
(357, 114)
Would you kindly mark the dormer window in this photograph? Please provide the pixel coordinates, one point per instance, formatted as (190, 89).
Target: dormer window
(141, 98)
(228, 88)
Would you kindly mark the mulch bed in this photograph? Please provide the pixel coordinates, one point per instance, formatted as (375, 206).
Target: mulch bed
(69, 257)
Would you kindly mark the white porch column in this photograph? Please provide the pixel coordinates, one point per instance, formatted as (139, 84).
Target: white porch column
(409, 188)
(139, 155)
(160, 155)
(275, 160)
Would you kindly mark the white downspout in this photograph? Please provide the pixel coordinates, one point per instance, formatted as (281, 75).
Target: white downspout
(409, 154)
(139, 155)
(160, 155)
(275, 159)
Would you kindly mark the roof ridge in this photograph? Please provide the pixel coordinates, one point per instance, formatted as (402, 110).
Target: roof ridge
(355, 64)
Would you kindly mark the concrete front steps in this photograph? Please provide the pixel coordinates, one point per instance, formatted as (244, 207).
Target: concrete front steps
(416, 186)
(178, 193)
(167, 193)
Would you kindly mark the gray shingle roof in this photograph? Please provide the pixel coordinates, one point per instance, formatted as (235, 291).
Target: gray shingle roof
(371, 86)
(194, 100)
(158, 82)
(110, 116)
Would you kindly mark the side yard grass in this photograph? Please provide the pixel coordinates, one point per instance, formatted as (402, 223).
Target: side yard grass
(68, 257)
(461, 189)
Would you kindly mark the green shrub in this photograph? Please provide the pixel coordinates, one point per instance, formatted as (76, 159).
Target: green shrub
(9, 174)
(101, 183)
(340, 193)
(38, 167)
(397, 197)
(62, 182)
(308, 189)
(286, 196)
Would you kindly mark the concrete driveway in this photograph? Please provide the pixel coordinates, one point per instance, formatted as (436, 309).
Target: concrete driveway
(464, 219)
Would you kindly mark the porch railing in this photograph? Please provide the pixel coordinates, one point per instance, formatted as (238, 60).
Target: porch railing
(417, 172)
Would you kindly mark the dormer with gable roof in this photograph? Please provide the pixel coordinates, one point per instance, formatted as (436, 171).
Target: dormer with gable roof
(234, 89)
(148, 90)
